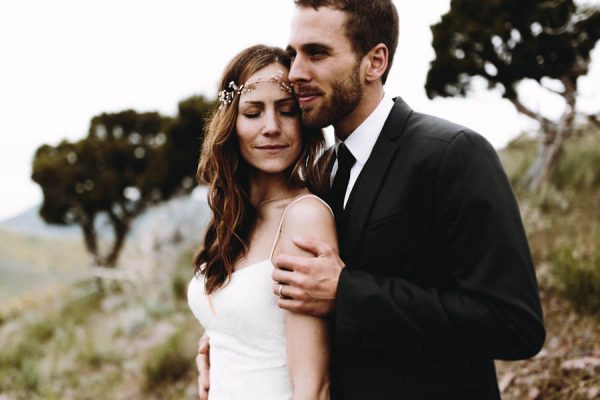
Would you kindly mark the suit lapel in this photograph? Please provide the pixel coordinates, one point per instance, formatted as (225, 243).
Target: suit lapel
(368, 185)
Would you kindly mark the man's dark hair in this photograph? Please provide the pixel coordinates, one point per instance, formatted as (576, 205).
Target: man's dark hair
(369, 23)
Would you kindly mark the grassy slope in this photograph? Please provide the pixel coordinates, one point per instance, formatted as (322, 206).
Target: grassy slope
(138, 341)
(117, 341)
(29, 265)
(563, 226)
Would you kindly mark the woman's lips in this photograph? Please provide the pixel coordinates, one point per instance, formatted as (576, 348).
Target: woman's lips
(272, 149)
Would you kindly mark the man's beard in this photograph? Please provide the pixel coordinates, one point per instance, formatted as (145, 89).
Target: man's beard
(345, 96)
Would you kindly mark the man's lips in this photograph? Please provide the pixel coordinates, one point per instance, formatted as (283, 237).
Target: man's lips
(306, 95)
(305, 99)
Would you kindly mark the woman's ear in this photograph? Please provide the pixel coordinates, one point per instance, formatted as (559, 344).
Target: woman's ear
(377, 62)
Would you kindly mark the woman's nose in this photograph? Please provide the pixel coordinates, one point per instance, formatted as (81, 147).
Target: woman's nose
(272, 125)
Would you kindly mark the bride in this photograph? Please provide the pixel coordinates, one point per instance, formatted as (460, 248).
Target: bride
(260, 166)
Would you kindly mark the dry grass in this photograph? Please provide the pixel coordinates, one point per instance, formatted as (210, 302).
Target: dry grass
(563, 225)
(125, 342)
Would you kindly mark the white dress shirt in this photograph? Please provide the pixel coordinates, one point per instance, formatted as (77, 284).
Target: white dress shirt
(362, 140)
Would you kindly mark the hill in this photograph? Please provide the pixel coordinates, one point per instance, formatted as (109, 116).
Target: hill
(38, 258)
(127, 335)
(133, 337)
(30, 223)
(30, 265)
(562, 221)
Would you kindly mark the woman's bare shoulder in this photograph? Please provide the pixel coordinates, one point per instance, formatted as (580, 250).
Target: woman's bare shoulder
(309, 207)
(308, 215)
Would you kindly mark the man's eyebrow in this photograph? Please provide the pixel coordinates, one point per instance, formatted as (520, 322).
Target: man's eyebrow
(316, 47)
(310, 48)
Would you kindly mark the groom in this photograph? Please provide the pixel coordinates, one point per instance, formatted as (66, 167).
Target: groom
(435, 279)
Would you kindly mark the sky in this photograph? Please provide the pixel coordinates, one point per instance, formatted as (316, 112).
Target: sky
(65, 61)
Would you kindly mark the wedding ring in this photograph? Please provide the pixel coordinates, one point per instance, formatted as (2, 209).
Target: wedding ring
(280, 290)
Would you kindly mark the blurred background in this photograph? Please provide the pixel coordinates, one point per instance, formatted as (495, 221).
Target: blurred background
(102, 106)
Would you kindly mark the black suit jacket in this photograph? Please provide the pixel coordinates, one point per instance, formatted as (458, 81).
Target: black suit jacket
(439, 280)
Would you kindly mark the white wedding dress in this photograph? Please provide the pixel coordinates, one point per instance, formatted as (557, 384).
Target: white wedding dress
(246, 330)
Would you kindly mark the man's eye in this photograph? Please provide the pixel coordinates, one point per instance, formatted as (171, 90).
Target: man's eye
(318, 56)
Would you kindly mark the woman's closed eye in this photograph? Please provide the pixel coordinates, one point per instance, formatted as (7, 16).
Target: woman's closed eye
(252, 114)
(288, 112)
(285, 112)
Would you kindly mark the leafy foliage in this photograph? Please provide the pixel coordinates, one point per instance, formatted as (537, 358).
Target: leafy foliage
(506, 41)
(129, 160)
(185, 136)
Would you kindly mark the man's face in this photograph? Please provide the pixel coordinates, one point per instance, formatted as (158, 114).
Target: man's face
(325, 71)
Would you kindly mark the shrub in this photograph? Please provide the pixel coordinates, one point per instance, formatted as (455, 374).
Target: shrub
(517, 157)
(577, 267)
(170, 361)
(579, 165)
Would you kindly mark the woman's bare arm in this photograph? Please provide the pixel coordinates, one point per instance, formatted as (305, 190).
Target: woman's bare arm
(307, 336)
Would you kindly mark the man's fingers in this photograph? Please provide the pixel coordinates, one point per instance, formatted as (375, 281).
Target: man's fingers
(202, 389)
(292, 263)
(289, 278)
(288, 292)
(203, 345)
(203, 366)
(203, 376)
(290, 305)
(282, 276)
(312, 245)
(203, 394)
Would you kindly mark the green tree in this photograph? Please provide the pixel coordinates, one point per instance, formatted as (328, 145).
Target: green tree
(185, 135)
(127, 162)
(507, 41)
(118, 169)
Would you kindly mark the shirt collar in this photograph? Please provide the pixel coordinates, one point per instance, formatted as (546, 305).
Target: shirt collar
(362, 140)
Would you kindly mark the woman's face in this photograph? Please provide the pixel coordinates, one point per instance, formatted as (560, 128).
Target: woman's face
(268, 122)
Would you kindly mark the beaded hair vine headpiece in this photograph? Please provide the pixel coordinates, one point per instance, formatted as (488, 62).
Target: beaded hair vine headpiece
(227, 95)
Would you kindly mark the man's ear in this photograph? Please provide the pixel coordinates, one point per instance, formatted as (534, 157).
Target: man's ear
(377, 62)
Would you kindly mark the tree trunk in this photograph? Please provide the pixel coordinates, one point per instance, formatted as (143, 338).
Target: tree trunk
(120, 228)
(548, 155)
(552, 138)
(120, 224)
(89, 236)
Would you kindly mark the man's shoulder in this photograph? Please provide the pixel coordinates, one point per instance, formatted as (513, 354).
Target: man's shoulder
(408, 123)
(427, 126)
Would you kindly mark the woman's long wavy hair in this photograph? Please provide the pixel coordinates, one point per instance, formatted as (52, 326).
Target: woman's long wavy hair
(225, 172)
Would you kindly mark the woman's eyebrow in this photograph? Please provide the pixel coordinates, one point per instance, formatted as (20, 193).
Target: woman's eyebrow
(285, 99)
(261, 102)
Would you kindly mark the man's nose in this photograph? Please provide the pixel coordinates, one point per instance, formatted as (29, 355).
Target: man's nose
(299, 70)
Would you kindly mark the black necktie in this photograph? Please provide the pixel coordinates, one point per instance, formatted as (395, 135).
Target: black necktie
(345, 161)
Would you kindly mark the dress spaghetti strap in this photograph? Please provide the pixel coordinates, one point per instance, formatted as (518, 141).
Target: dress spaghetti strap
(283, 216)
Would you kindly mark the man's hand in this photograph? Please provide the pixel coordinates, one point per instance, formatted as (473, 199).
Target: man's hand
(203, 366)
(309, 283)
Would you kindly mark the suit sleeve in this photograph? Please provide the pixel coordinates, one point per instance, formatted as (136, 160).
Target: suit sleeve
(490, 305)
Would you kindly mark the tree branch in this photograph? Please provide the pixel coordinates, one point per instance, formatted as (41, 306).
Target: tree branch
(530, 113)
